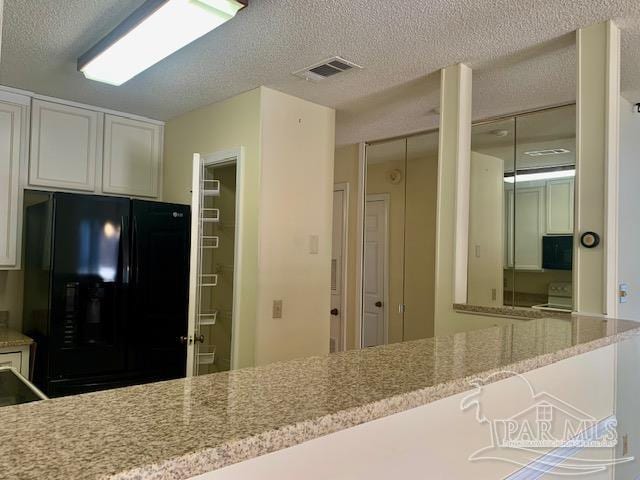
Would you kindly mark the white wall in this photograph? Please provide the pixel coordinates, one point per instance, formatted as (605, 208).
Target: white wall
(434, 441)
(296, 202)
(629, 209)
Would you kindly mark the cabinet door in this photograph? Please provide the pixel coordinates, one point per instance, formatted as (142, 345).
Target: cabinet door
(12, 359)
(132, 157)
(560, 206)
(529, 226)
(65, 145)
(10, 146)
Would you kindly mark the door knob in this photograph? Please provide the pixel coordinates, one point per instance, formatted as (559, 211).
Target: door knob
(185, 340)
(378, 304)
(334, 312)
(198, 338)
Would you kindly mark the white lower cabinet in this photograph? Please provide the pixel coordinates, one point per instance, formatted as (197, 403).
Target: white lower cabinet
(17, 358)
(132, 157)
(12, 120)
(65, 146)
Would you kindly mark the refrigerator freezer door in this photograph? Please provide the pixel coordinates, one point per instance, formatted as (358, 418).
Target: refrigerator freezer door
(88, 300)
(159, 287)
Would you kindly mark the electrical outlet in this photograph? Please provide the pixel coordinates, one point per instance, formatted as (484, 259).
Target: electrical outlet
(623, 293)
(277, 309)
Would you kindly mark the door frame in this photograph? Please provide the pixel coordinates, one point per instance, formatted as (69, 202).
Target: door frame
(386, 199)
(344, 188)
(221, 157)
(362, 183)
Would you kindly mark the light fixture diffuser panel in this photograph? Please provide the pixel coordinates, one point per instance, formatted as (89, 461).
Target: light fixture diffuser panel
(166, 29)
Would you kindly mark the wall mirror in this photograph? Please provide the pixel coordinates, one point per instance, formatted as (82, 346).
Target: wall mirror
(399, 239)
(521, 216)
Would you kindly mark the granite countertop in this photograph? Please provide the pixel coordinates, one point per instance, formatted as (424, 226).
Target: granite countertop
(506, 311)
(180, 428)
(11, 338)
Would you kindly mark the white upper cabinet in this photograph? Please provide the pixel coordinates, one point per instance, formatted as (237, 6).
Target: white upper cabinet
(132, 157)
(525, 222)
(11, 124)
(66, 146)
(560, 206)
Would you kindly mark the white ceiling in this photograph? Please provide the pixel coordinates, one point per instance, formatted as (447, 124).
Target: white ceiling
(522, 52)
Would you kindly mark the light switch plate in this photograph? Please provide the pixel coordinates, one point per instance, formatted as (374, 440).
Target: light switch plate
(277, 309)
(314, 244)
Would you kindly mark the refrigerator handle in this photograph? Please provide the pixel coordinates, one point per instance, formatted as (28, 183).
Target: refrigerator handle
(134, 250)
(125, 249)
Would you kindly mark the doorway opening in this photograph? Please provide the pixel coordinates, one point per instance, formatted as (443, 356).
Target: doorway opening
(214, 258)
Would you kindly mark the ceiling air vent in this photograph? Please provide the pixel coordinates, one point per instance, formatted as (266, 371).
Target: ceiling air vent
(325, 69)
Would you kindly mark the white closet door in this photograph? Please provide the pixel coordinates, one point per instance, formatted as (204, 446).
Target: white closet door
(132, 157)
(65, 146)
(10, 134)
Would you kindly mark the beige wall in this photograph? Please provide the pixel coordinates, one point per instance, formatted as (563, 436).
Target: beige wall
(11, 296)
(288, 184)
(232, 123)
(296, 202)
(345, 170)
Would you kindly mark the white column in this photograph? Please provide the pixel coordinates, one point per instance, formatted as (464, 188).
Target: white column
(453, 191)
(598, 96)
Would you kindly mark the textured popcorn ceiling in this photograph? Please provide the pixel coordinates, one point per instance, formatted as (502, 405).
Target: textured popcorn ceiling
(522, 52)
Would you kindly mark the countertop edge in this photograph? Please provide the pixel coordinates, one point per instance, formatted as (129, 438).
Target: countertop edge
(520, 313)
(203, 461)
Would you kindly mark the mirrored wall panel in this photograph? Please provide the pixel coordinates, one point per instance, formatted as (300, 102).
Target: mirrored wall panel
(399, 239)
(521, 211)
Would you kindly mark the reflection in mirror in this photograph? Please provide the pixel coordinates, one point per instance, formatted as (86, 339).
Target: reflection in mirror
(399, 240)
(521, 227)
(383, 251)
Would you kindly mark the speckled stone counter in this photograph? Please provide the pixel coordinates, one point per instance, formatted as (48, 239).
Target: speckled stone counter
(504, 311)
(11, 338)
(180, 428)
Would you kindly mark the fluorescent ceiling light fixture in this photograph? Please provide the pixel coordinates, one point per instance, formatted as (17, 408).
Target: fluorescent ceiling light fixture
(550, 151)
(549, 175)
(154, 31)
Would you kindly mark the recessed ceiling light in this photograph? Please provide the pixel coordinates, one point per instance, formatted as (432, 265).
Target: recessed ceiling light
(550, 151)
(154, 31)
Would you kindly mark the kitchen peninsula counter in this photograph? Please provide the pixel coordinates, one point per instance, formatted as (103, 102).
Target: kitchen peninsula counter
(181, 428)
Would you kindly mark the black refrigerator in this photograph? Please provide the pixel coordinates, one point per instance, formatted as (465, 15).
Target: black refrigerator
(106, 290)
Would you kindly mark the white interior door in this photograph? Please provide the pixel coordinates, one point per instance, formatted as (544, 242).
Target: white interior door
(375, 273)
(338, 307)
